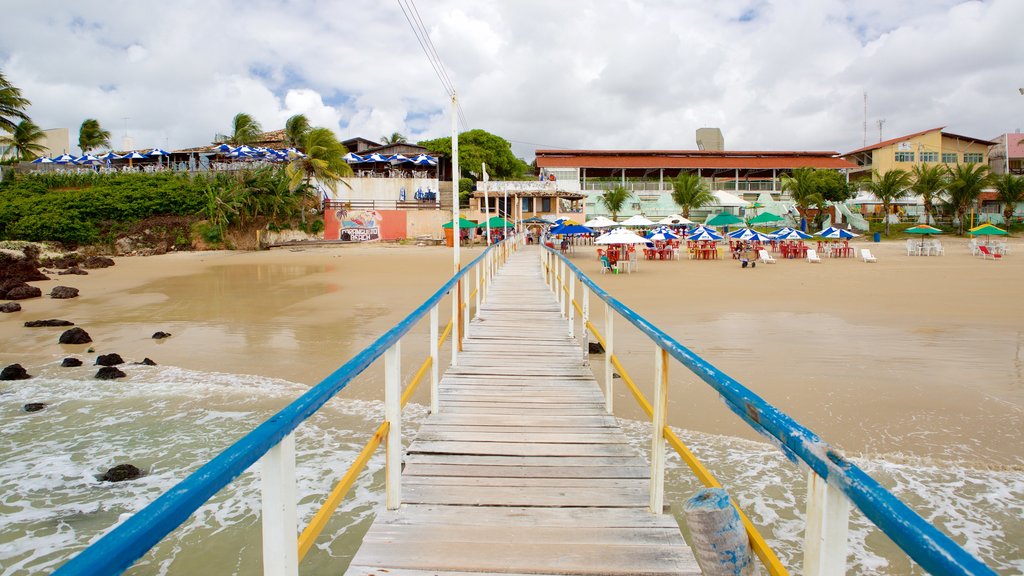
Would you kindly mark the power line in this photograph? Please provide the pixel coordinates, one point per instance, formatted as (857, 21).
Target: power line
(412, 16)
(430, 44)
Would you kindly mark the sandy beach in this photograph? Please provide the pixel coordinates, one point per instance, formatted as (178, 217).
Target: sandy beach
(913, 356)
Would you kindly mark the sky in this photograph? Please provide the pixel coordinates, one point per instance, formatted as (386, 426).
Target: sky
(586, 74)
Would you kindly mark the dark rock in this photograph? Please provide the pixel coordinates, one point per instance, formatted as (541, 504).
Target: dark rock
(14, 372)
(73, 270)
(24, 292)
(10, 307)
(109, 360)
(34, 406)
(120, 473)
(50, 322)
(109, 373)
(71, 362)
(96, 262)
(19, 270)
(75, 336)
(595, 348)
(161, 335)
(146, 362)
(63, 292)
(615, 375)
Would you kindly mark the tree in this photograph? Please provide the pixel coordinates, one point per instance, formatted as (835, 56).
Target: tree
(398, 138)
(478, 146)
(1009, 192)
(23, 141)
(888, 188)
(803, 187)
(91, 136)
(929, 182)
(690, 191)
(295, 129)
(614, 199)
(12, 105)
(966, 181)
(244, 130)
(323, 160)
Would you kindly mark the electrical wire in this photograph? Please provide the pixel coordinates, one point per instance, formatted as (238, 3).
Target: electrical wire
(412, 16)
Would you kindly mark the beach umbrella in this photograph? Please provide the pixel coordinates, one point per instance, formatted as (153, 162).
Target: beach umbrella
(723, 219)
(783, 230)
(675, 220)
(156, 152)
(833, 233)
(923, 230)
(637, 220)
(747, 234)
(375, 157)
(109, 156)
(704, 235)
(499, 222)
(87, 159)
(223, 149)
(987, 229)
(64, 159)
(661, 236)
(764, 218)
(620, 236)
(424, 160)
(42, 160)
(463, 223)
(352, 158)
(570, 230)
(534, 220)
(398, 159)
(792, 235)
(600, 222)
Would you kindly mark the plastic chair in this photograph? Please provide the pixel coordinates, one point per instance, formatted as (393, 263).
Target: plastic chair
(766, 258)
(606, 266)
(986, 254)
(812, 256)
(867, 256)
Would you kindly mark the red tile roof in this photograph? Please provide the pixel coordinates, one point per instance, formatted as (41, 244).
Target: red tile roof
(891, 141)
(688, 159)
(1015, 144)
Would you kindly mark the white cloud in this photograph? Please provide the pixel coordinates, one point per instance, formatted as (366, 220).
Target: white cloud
(772, 74)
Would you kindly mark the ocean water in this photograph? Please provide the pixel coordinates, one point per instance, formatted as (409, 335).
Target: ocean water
(169, 421)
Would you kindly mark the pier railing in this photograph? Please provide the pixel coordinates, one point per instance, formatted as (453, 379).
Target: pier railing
(273, 442)
(833, 481)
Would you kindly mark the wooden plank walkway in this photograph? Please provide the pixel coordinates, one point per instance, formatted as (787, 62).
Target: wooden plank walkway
(522, 471)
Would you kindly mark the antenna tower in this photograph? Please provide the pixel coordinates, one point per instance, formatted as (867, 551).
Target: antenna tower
(881, 123)
(865, 142)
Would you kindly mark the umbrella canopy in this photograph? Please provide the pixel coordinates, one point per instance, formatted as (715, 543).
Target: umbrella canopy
(64, 159)
(792, 235)
(109, 156)
(637, 220)
(534, 220)
(352, 158)
(133, 155)
(987, 229)
(157, 152)
(600, 222)
(42, 160)
(463, 223)
(620, 236)
(765, 218)
(498, 222)
(675, 220)
(223, 149)
(398, 159)
(724, 219)
(704, 235)
(923, 229)
(424, 160)
(87, 159)
(833, 233)
(374, 158)
(746, 234)
(570, 230)
(661, 236)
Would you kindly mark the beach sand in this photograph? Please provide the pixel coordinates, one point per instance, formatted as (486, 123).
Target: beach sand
(917, 357)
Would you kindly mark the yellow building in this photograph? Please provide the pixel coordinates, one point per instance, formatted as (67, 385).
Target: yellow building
(929, 147)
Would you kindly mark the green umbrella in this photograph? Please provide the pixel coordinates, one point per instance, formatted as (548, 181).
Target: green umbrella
(723, 219)
(765, 218)
(463, 223)
(499, 222)
(987, 229)
(923, 229)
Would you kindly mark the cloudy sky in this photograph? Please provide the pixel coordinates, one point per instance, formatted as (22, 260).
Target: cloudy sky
(772, 74)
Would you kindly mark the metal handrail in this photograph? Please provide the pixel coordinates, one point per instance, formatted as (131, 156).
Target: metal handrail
(122, 546)
(924, 543)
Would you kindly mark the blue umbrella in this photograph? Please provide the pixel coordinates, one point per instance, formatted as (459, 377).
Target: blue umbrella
(109, 156)
(571, 230)
(424, 160)
(352, 158)
(833, 233)
(223, 149)
(375, 157)
(42, 160)
(64, 159)
(398, 159)
(746, 234)
(793, 235)
(87, 159)
(704, 234)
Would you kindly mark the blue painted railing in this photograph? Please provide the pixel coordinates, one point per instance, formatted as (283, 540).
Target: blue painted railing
(120, 548)
(925, 544)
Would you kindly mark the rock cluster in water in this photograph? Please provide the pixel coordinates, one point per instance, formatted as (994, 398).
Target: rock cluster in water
(161, 335)
(63, 292)
(14, 372)
(70, 362)
(109, 373)
(50, 322)
(112, 359)
(120, 473)
(34, 406)
(75, 336)
(10, 307)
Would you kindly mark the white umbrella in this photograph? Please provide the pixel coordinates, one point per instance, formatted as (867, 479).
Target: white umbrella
(621, 236)
(42, 160)
(638, 220)
(675, 220)
(600, 222)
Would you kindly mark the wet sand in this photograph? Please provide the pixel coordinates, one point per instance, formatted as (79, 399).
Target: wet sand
(917, 357)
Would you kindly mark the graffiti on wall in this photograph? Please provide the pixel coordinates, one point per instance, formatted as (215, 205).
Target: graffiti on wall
(359, 225)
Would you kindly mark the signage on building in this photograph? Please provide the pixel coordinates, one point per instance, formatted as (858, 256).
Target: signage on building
(903, 147)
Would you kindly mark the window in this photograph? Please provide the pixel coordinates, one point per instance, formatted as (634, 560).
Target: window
(949, 158)
(929, 156)
(545, 204)
(635, 205)
(904, 156)
(974, 157)
(527, 204)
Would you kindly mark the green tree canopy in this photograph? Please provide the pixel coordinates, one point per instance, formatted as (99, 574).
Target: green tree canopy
(477, 146)
(888, 188)
(966, 181)
(12, 105)
(23, 142)
(1009, 192)
(399, 138)
(295, 129)
(244, 130)
(324, 160)
(929, 183)
(803, 187)
(614, 200)
(690, 191)
(92, 136)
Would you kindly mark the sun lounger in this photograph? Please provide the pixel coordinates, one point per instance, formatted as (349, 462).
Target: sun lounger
(812, 256)
(867, 256)
(765, 257)
(986, 253)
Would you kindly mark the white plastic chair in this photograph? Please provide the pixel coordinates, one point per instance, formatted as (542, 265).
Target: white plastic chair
(812, 256)
(765, 257)
(867, 256)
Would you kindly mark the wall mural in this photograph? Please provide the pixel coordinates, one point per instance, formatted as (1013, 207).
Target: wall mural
(359, 225)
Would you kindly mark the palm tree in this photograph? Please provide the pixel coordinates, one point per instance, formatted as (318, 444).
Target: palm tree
(244, 130)
(295, 129)
(803, 188)
(323, 160)
(12, 105)
(614, 199)
(690, 191)
(966, 181)
(888, 188)
(1009, 192)
(929, 182)
(395, 138)
(23, 141)
(91, 136)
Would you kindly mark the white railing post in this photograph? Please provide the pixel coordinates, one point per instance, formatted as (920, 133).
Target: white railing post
(586, 318)
(455, 323)
(609, 347)
(479, 289)
(393, 416)
(562, 286)
(434, 359)
(280, 520)
(660, 401)
(828, 519)
(465, 304)
(572, 309)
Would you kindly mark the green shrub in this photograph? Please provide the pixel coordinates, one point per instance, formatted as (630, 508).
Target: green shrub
(65, 226)
(317, 226)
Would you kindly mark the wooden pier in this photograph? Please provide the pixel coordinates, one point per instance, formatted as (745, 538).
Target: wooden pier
(522, 471)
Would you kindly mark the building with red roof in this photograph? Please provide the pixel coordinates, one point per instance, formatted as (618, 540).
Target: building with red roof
(932, 146)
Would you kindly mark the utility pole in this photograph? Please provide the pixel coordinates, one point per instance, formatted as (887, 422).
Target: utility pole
(456, 233)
